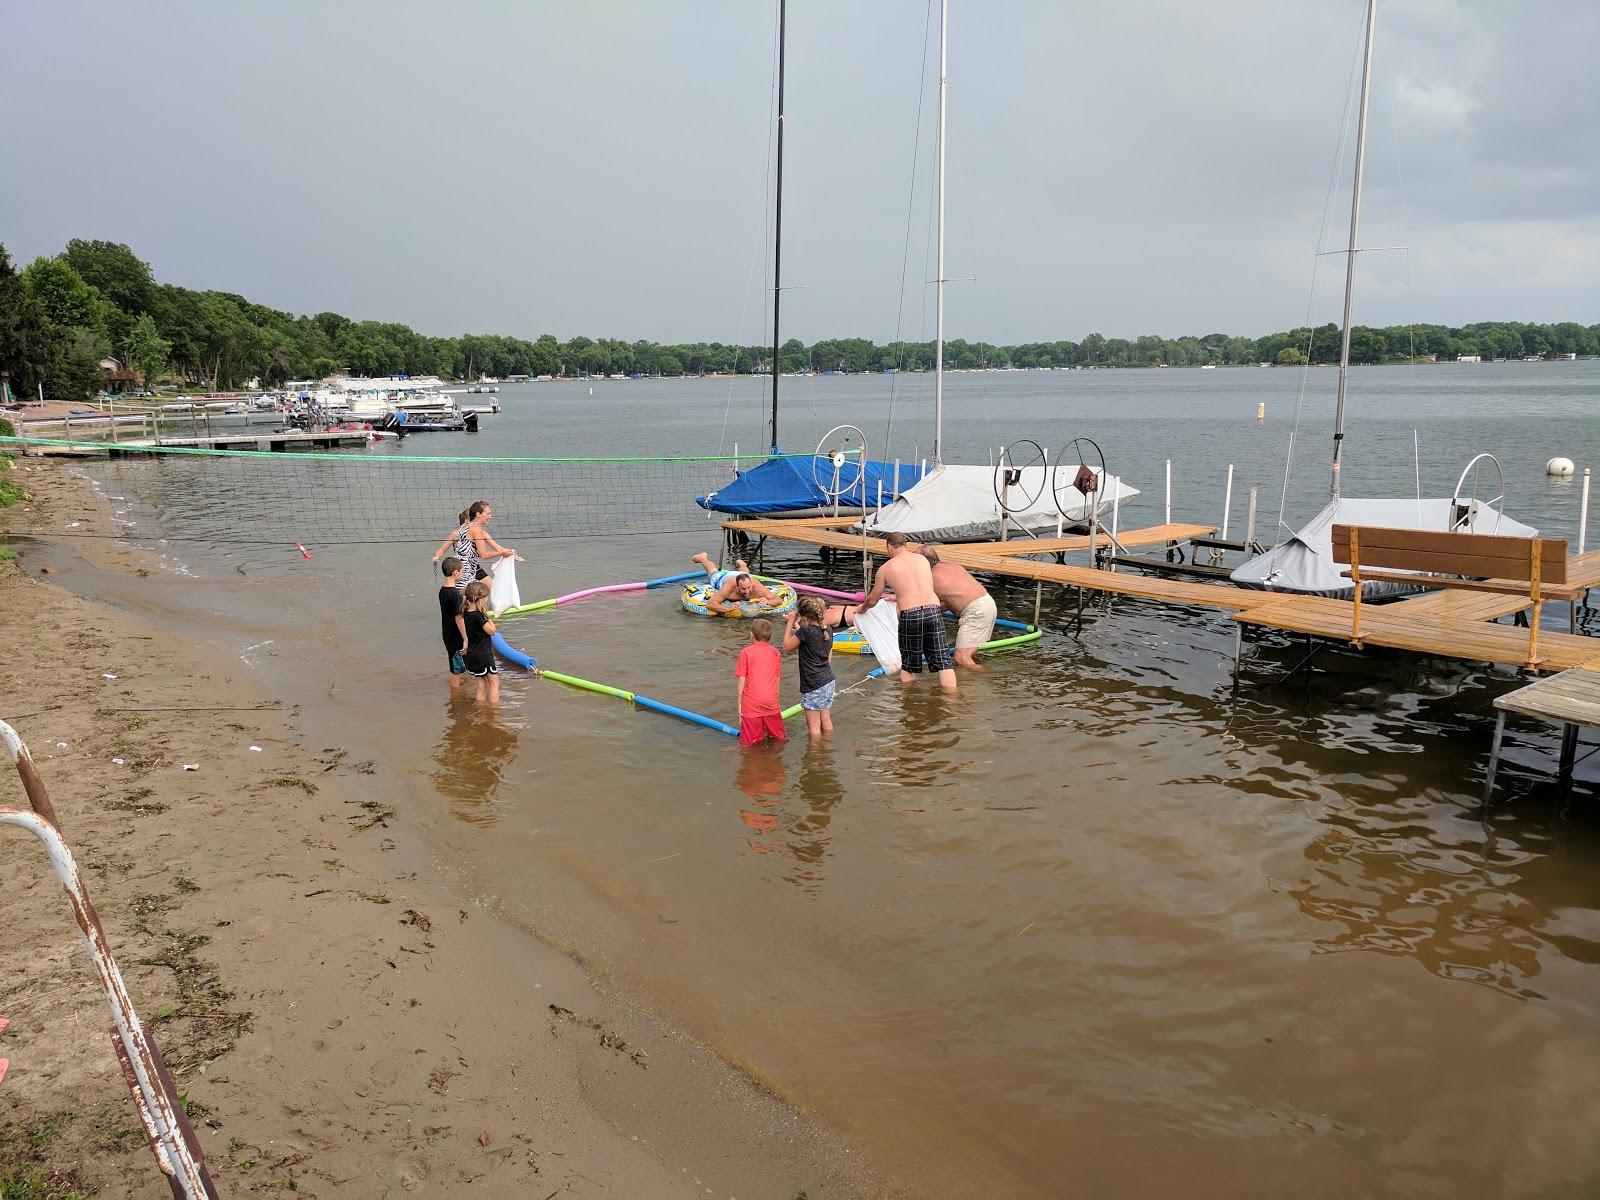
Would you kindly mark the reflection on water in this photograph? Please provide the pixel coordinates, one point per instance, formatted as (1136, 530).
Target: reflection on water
(472, 758)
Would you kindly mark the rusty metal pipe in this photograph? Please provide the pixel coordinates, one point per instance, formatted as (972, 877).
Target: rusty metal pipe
(158, 1105)
(31, 783)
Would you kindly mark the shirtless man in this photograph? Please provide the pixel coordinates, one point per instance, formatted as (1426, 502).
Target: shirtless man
(729, 589)
(965, 596)
(921, 615)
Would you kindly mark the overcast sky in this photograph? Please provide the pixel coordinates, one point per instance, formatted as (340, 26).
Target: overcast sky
(601, 168)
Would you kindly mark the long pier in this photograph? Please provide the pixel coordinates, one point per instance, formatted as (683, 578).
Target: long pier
(1442, 624)
(278, 440)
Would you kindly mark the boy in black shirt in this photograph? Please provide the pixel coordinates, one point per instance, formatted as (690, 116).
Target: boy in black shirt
(451, 626)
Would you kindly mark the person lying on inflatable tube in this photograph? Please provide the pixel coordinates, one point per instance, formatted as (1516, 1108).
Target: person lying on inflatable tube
(730, 589)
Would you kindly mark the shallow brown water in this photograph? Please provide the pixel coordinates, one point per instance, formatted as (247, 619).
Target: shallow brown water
(1096, 926)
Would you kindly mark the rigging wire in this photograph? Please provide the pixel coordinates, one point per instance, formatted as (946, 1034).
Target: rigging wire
(766, 192)
(905, 248)
(1311, 300)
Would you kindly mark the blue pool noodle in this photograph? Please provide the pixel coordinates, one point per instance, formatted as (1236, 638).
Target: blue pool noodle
(1019, 626)
(684, 714)
(666, 579)
(512, 655)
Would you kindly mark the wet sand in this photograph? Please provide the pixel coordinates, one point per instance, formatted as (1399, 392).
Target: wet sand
(340, 1020)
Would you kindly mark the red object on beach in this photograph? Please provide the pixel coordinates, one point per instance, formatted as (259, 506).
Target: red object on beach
(304, 553)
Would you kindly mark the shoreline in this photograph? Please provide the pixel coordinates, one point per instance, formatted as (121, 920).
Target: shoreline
(300, 958)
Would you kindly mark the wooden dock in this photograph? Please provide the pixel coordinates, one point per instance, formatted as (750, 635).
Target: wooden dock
(275, 440)
(1443, 623)
(1570, 699)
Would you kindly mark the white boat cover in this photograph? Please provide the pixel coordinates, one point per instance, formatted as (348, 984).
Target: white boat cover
(1304, 563)
(958, 504)
(503, 593)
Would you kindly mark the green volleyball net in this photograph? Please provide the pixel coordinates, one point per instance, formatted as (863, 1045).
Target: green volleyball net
(382, 495)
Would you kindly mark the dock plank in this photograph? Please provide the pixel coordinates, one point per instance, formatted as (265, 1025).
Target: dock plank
(1420, 632)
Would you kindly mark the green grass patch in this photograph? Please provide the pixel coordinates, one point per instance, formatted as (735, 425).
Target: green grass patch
(36, 1185)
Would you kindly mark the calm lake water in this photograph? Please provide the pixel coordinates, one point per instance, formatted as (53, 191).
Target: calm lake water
(1098, 925)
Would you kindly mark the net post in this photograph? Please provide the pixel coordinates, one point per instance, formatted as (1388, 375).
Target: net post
(1250, 520)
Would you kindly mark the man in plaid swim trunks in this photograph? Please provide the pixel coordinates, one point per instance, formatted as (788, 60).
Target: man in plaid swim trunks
(922, 637)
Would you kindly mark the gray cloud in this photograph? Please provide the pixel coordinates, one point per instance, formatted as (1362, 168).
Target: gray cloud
(600, 168)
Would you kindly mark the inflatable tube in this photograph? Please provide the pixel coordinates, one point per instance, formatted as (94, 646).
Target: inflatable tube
(683, 714)
(512, 655)
(851, 641)
(694, 596)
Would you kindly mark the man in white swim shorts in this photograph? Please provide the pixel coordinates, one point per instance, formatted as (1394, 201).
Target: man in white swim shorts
(965, 596)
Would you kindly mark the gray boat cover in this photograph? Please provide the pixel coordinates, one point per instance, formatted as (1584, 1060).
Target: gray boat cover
(957, 504)
(1304, 563)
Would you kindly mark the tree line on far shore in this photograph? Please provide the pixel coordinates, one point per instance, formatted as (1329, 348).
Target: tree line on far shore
(61, 315)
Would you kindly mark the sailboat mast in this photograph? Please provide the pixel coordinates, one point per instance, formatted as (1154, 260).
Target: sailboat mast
(777, 230)
(1350, 257)
(938, 293)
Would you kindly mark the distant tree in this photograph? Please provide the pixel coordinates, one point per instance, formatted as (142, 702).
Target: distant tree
(119, 275)
(1291, 356)
(148, 350)
(63, 295)
(27, 338)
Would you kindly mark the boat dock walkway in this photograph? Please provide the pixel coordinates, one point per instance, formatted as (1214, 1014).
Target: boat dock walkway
(1444, 623)
(277, 440)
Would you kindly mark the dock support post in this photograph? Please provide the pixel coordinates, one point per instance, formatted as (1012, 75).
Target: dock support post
(1494, 756)
(1169, 492)
(1250, 523)
(1227, 503)
(1583, 513)
(1355, 578)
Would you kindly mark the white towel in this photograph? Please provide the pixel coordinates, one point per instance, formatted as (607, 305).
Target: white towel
(503, 592)
(880, 625)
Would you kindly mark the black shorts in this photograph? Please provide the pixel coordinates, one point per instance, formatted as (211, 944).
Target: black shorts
(480, 670)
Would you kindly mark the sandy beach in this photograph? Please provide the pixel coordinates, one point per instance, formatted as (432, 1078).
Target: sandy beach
(339, 1022)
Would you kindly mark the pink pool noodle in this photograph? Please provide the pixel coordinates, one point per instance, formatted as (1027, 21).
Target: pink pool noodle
(595, 591)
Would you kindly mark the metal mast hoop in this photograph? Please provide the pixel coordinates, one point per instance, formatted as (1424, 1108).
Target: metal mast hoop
(1074, 460)
(1464, 513)
(1011, 473)
(841, 459)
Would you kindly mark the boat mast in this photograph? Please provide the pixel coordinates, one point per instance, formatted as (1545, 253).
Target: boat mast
(1350, 256)
(777, 230)
(938, 283)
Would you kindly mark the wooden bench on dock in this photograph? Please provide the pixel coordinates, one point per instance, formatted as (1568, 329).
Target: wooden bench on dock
(1454, 560)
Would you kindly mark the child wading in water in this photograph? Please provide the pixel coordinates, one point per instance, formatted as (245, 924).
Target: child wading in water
(810, 636)
(480, 646)
(758, 671)
(451, 627)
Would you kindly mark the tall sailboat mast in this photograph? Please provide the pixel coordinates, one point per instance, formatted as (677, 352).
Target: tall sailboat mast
(938, 283)
(1350, 256)
(777, 231)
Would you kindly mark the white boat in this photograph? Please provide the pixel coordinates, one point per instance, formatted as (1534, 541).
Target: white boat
(1303, 560)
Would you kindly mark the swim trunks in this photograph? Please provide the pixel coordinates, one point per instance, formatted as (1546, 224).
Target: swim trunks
(492, 669)
(819, 700)
(755, 730)
(922, 637)
(718, 578)
(977, 623)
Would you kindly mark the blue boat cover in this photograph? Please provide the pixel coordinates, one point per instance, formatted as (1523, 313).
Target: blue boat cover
(786, 484)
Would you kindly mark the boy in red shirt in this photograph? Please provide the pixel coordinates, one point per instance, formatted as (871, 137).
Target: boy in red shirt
(759, 668)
